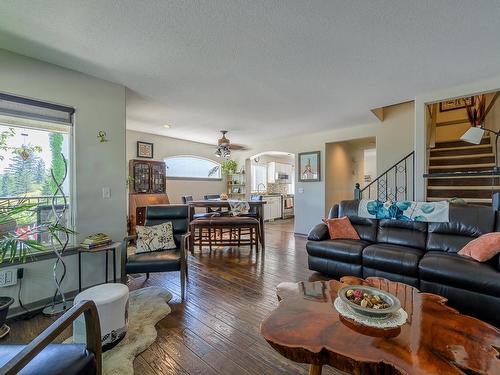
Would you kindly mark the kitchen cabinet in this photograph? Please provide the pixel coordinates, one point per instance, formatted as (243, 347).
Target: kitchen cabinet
(272, 208)
(276, 173)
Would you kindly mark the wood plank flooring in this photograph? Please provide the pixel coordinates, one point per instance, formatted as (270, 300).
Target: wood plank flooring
(229, 292)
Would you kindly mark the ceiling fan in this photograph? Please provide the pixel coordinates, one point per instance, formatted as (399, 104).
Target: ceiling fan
(224, 146)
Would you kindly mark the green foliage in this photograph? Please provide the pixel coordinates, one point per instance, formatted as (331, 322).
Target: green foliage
(4, 137)
(57, 164)
(19, 244)
(229, 166)
(22, 172)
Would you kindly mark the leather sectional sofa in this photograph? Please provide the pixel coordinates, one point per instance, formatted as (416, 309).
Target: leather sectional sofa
(415, 253)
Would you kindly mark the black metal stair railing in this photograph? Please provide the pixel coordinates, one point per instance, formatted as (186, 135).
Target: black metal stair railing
(396, 183)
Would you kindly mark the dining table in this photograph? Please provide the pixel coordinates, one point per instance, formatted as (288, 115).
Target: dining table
(224, 203)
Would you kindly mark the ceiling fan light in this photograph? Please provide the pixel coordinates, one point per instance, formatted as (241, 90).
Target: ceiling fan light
(218, 153)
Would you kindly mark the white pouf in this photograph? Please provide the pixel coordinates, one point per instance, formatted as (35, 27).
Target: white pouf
(112, 305)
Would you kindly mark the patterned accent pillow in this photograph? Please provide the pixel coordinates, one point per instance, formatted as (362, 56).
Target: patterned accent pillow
(155, 237)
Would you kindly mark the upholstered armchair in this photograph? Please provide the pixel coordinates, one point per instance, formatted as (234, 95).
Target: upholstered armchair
(161, 260)
(40, 356)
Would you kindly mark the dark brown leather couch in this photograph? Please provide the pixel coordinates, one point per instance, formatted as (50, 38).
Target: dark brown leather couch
(415, 253)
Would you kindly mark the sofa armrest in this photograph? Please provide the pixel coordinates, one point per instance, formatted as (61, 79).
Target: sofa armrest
(93, 334)
(334, 212)
(318, 233)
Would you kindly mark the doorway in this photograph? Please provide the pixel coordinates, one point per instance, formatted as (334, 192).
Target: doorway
(347, 163)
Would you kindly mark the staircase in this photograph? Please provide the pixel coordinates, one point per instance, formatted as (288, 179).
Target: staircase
(459, 156)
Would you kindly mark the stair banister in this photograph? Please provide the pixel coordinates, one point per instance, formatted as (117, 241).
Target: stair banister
(384, 185)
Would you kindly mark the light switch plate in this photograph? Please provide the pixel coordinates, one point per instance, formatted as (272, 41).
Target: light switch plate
(106, 192)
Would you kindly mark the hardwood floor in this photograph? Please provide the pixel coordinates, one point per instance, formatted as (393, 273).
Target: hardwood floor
(229, 292)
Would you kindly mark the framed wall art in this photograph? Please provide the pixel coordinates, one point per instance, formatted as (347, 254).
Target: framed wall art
(144, 150)
(310, 166)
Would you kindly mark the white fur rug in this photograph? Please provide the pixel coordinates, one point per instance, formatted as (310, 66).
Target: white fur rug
(147, 307)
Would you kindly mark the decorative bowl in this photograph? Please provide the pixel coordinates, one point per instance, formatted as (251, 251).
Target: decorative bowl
(392, 301)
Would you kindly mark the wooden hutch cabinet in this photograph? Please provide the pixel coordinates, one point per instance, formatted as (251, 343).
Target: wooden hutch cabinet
(146, 188)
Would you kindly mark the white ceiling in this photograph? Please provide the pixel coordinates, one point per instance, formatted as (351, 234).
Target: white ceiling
(260, 68)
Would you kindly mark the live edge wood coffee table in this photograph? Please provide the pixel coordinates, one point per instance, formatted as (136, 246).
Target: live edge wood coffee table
(436, 339)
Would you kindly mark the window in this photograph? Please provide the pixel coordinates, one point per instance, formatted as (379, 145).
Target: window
(35, 143)
(259, 178)
(186, 166)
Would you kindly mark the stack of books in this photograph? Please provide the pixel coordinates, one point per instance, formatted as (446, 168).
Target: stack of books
(96, 240)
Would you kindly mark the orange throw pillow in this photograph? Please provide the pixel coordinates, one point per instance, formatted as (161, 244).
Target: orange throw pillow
(482, 248)
(341, 229)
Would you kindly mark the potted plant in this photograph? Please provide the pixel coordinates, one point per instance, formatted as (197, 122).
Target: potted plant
(17, 244)
(229, 167)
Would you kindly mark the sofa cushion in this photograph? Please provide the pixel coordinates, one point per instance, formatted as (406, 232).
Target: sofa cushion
(397, 259)
(460, 272)
(342, 250)
(55, 359)
(466, 223)
(366, 228)
(156, 261)
(405, 233)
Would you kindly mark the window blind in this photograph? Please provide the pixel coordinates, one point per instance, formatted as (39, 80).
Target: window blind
(16, 106)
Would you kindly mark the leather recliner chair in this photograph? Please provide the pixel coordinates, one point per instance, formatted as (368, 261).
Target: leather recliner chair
(40, 357)
(420, 254)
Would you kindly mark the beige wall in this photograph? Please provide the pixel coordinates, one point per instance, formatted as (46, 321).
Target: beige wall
(395, 135)
(166, 146)
(100, 105)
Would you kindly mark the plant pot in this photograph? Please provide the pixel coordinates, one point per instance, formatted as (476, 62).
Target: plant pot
(5, 302)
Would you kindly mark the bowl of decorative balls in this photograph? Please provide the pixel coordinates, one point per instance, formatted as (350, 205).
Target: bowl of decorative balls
(369, 301)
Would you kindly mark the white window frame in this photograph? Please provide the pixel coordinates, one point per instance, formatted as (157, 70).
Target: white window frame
(219, 178)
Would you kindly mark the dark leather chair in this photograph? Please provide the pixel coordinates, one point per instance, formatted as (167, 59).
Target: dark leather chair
(200, 215)
(40, 357)
(161, 260)
(416, 253)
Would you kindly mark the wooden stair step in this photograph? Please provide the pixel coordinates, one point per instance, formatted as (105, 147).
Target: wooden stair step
(484, 141)
(460, 168)
(462, 160)
(461, 151)
(464, 181)
(460, 193)
(480, 201)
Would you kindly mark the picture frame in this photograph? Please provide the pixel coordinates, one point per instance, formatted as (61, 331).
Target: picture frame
(309, 166)
(145, 150)
(453, 104)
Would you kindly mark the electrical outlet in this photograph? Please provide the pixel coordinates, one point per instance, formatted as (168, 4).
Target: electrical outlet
(8, 278)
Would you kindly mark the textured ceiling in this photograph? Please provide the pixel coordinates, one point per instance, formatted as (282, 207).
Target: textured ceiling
(260, 68)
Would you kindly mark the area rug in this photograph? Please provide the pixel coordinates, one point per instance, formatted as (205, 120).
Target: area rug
(147, 307)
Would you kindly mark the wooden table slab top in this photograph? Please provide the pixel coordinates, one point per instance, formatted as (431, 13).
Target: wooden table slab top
(436, 339)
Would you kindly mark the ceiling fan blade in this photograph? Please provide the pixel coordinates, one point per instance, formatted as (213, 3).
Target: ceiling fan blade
(238, 147)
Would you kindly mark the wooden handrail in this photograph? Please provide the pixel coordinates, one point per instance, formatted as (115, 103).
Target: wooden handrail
(93, 334)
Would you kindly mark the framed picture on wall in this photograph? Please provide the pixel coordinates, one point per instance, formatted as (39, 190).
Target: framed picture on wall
(144, 150)
(310, 166)
(452, 104)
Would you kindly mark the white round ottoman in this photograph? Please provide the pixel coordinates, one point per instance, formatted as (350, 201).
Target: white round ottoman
(112, 305)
